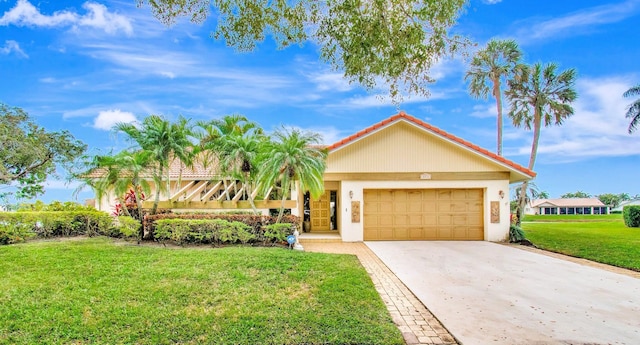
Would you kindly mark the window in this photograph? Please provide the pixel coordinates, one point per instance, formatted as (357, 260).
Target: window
(596, 210)
(603, 210)
(571, 210)
(579, 210)
(587, 210)
(563, 210)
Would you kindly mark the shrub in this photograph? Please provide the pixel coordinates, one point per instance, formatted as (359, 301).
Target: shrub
(256, 223)
(218, 231)
(243, 232)
(56, 223)
(631, 215)
(14, 232)
(127, 227)
(277, 232)
(516, 234)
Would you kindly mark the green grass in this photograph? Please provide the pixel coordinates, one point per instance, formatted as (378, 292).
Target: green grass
(100, 292)
(609, 242)
(573, 218)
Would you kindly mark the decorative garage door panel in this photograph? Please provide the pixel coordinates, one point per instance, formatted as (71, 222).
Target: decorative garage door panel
(423, 214)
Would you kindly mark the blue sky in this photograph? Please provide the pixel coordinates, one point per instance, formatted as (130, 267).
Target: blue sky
(84, 65)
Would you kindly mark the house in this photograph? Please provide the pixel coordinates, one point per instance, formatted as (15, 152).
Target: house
(567, 206)
(399, 179)
(620, 207)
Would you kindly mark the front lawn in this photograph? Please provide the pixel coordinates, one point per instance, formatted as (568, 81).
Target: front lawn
(102, 292)
(609, 242)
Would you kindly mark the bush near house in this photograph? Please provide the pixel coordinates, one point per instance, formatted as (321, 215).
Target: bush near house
(257, 223)
(20, 226)
(631, 215)
(202, 231)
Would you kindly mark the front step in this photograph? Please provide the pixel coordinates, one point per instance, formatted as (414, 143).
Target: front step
(319, 238)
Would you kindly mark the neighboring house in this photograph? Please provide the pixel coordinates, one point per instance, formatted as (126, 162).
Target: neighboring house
(625, 203)
(400, 179)
(567, 206)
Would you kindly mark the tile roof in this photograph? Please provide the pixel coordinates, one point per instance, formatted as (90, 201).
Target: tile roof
(568, 202)
(403, 116)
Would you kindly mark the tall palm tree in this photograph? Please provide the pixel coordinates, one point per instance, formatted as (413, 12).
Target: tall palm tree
(165, 141)
(540, 96)
(293, 155)
(499, 60)
(633, 111)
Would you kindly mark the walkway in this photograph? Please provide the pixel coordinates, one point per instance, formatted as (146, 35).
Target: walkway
(415, 321)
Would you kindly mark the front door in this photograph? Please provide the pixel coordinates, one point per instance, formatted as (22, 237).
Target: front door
(320, 210)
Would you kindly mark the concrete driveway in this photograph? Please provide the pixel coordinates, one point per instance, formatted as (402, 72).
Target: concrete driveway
(487, 293)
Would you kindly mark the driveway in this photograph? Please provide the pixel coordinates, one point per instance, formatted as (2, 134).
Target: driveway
(487, 293)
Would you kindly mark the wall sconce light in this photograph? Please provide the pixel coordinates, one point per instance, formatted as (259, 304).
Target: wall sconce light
(501, 193)
(350, 194)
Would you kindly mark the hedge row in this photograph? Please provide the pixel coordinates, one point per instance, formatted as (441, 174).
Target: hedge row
(20, 226)
(631, 215)
(257, 223)
(218, 231)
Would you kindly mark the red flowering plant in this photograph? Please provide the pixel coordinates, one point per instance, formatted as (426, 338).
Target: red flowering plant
(130, 203)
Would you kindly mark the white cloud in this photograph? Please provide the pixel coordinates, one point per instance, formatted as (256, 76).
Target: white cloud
(598, 127)
(576, 22)
(107, 119)
(331, 81)
(25, 14)
(11, 46)
(486, 110)
(97, 16)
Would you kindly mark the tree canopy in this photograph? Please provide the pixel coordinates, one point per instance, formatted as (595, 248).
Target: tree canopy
(633, 110)
(578, 194)
(395, 42)
(498, 61)
(30, 154)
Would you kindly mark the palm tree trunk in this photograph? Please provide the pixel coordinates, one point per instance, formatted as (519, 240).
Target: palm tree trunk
(537, 123)
(284, 198)
(249, 197)
(125, 209)
(498, 95)
(157, 199)
(140, 213)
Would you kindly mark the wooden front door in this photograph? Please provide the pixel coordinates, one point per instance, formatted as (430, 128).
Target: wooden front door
(320, 210)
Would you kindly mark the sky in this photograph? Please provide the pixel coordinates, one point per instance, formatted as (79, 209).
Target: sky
(82, 66)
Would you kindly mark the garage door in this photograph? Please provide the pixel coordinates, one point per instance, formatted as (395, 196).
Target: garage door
(423, 214)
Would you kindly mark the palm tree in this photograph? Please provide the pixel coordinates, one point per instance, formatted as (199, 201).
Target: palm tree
(633, 111)
(540, 96)
(165, 141)
(212, 134)
(500, 59)
(120, 173)
(293, 155)
(238, 157)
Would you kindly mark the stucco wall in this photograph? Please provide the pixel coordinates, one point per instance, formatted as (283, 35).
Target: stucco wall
(353, 232)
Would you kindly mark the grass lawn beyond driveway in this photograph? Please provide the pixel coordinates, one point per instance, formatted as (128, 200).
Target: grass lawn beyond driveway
(100, 292)
(603, 239)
